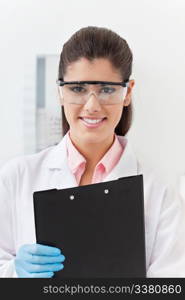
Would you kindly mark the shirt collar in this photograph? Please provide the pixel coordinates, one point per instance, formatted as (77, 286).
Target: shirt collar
(75, 159)
(112, 156)
(56, 158)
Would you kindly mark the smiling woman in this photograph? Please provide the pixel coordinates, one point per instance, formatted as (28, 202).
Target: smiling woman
(95, 92)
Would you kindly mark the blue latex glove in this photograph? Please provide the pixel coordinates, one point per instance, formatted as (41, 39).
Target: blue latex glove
(38, 261)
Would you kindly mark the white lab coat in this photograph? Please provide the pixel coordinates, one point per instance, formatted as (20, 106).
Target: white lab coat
(20, 177)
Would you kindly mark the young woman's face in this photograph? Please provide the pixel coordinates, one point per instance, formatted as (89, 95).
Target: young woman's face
(99, 69)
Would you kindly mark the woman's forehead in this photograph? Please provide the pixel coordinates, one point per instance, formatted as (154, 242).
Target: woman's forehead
(98, 69)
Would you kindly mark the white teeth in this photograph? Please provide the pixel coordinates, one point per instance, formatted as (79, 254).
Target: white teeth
(90, 121)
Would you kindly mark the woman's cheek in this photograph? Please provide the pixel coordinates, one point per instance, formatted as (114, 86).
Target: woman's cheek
(69, 114)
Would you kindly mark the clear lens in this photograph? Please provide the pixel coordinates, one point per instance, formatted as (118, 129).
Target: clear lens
(106, 93)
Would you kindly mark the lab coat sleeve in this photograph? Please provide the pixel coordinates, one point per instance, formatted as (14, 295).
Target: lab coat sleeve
(168, 254)
(7, 249)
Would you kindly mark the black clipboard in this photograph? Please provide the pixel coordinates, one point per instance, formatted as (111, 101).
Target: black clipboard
(99, 228)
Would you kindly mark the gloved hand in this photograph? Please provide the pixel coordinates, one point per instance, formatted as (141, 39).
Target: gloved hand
(38, 261)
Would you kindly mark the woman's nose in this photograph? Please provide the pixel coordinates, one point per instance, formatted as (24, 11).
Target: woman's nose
(92, 102)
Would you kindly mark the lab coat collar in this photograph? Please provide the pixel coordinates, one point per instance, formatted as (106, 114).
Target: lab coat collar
(127, 165)
(58, 155)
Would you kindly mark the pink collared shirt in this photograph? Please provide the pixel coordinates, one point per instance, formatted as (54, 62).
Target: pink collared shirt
(77, 161)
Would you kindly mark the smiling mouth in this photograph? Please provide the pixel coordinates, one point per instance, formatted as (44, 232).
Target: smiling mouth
(92, 121)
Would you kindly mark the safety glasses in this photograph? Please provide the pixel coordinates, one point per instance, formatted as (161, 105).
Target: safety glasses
(78, 92)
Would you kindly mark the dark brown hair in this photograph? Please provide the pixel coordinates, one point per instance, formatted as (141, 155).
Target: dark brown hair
(96, 42)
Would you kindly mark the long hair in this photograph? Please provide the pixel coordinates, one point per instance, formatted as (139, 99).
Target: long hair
(96, 42)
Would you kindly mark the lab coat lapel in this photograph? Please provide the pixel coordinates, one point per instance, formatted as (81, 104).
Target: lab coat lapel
(64, 178)
(57, 163)
(127, 166)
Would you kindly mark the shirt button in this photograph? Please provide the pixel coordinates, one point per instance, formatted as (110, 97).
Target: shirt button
(106, 191)
(71, 197)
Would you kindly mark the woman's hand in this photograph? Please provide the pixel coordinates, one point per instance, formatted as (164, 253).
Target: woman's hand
(38, 261)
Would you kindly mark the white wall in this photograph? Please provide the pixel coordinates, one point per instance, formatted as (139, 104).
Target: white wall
(155, 33)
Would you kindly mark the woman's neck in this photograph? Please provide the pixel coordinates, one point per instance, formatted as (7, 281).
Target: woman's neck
(93, 152)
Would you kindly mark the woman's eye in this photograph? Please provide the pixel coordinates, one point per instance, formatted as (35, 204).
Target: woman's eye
(77, 89)
(108, 90)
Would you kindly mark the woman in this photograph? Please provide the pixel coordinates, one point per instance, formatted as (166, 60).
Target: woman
(96, 117)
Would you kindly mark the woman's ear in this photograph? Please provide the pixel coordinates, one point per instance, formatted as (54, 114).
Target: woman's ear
(128, 97)
(127, 101)
(61, 99)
